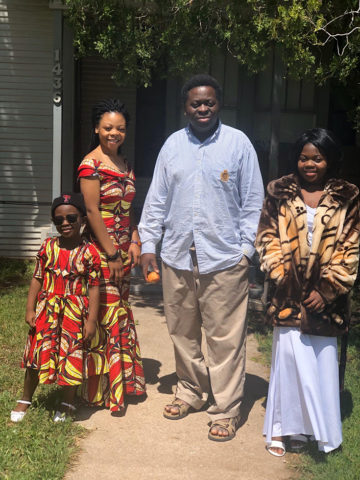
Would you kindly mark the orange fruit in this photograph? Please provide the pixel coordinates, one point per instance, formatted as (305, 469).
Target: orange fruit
(285, 313)
(153, 277)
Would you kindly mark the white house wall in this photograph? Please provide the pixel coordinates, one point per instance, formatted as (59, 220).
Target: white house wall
(26, 60)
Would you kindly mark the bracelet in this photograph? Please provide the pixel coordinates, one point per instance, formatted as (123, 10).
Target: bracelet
(111, 258)
(138, 243)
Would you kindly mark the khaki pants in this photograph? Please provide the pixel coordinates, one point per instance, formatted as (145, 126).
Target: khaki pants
(216, 301)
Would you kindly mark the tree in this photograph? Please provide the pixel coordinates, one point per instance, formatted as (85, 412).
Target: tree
(316, 38)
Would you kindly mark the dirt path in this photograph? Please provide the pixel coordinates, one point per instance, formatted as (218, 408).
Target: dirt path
(144, 445)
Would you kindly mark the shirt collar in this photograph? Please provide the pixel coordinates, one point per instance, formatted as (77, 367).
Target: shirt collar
(208, 140)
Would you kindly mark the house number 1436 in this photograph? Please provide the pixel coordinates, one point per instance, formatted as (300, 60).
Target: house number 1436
(57, 78)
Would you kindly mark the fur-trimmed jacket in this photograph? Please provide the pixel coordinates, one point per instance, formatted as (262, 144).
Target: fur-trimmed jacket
(329, 265)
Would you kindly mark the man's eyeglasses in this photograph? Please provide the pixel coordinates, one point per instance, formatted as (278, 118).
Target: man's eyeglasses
(71, 218)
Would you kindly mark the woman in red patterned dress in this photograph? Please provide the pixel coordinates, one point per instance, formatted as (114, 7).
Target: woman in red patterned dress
(62, 308)
(107, 183)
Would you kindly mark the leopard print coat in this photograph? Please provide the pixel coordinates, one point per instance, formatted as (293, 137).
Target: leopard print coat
(329, 265)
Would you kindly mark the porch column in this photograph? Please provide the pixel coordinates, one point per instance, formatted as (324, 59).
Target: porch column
(57, 103)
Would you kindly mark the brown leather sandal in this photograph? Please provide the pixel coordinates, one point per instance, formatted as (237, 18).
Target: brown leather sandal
(184, 409)
(228, 424)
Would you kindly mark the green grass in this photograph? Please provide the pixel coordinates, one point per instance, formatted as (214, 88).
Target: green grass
(36, 448)
(345, 462)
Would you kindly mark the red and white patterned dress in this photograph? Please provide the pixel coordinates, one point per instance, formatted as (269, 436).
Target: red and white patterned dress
(55, 345)
(114, 366)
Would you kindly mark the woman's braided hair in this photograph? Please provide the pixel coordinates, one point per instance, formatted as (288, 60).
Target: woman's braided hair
(98, 110)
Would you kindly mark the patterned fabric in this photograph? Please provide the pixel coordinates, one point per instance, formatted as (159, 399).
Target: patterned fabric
(55, 346)
(295, 269)
(114, 363)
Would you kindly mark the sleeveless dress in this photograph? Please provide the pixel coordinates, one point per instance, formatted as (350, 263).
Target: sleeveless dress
(54, 346)
(114, 367)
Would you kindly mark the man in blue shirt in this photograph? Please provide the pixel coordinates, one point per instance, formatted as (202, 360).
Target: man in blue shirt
(206, 195)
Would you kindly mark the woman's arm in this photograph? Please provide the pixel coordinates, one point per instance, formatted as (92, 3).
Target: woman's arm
(268, 243)
(133, 226)
(91, 321)
(34, 289)
(134, 251)
(91, 191)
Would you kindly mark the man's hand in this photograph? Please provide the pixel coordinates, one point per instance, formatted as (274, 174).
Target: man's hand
(147, 260)
(314, 302)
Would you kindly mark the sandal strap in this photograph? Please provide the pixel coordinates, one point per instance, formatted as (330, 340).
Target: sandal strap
(276, 444)
(68, 405)
(176, 404)
(228, 424)
(25, 402)
(181, 406)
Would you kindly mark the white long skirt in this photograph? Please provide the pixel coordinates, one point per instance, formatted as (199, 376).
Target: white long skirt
(304, 388)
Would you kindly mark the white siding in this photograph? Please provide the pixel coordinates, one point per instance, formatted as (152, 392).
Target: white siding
(26, 60)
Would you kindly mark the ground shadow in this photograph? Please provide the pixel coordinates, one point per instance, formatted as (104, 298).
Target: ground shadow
(312, 450)
(255, 388)
(151, 370)
(154, 301)
(346, 403)
(167, 382)
(84, 412)
(50, 400)
(135, 399)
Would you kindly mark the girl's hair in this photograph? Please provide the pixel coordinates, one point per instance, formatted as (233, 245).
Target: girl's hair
(327, 144)
(106, 106)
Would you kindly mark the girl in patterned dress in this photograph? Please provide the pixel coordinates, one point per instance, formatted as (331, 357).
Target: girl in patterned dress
(62, 308)
(107, 183)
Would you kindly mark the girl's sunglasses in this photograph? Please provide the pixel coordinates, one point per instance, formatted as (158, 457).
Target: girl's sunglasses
(71, 218)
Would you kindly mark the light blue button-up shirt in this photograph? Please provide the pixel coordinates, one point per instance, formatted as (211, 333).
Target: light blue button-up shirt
(208, 193)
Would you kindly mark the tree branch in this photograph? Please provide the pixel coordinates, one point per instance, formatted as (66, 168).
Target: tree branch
(336, 36)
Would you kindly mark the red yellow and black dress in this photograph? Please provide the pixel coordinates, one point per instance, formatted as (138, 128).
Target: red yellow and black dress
(54, 346)
(114, 367)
